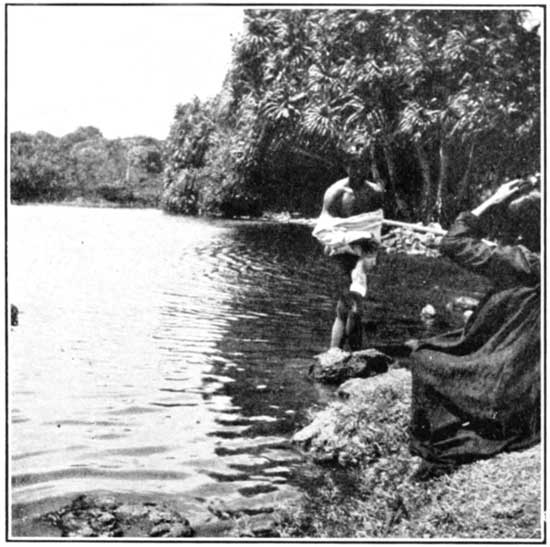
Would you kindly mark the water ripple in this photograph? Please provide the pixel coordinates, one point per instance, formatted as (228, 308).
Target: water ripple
(168, 353)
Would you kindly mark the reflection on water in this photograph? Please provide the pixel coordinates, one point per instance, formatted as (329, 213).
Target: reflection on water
(160, 354)
(155, 353)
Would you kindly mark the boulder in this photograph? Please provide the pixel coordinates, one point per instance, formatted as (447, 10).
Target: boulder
(89, 516)
(336, 365)
(86, 517)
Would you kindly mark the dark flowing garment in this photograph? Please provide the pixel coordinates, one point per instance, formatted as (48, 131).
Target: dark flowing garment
(476, 392)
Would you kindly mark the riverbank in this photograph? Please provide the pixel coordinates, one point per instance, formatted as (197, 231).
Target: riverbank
(371, 489)
(131, 427)
(106, 514)
(359, 482)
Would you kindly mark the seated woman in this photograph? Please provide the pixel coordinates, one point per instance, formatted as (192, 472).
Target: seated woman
(476, 392)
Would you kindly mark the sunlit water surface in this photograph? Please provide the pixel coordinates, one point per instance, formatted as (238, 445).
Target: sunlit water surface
(169, 355)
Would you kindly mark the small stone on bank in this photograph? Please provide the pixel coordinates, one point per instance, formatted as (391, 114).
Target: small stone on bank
(428, 312)
(160, 530)
(262, 526)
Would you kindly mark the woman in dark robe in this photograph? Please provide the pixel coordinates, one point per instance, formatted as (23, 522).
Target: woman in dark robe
(476, 392)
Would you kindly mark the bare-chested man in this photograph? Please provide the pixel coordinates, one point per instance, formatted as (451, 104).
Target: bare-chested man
(346, 198)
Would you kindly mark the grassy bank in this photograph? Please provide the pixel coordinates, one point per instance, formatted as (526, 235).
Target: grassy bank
(369, 489)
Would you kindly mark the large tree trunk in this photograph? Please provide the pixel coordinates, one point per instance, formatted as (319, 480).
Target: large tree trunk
(425, 199)
(463, 190)
(441, 191)
(395, 203)
(374, 167)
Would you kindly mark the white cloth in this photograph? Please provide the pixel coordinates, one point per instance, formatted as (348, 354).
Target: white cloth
(338, 235)
(359, 274)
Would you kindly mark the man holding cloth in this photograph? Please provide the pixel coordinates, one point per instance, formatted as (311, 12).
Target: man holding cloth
(349, 227)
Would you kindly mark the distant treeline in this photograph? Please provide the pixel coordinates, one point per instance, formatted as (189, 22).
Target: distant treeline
(442, 105)
(84, 165)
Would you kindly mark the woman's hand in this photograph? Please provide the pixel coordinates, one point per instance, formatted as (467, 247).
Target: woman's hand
(503, 194)
(508, 189)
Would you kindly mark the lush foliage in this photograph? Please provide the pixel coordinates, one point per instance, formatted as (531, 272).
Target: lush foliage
(209, 163)
(83, 164)
(441, 104)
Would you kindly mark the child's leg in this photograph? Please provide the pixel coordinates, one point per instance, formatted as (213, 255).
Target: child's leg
(354, 325)
(337, 335)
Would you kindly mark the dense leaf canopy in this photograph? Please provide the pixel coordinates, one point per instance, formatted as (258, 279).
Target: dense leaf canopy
(441, 104)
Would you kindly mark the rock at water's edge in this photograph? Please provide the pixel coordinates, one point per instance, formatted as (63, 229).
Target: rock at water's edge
(335, 365)
(89, 516)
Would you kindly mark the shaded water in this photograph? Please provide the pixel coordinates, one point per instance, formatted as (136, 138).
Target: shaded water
(169, 355)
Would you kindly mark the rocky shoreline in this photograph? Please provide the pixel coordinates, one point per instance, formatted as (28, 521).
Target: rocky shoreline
(362, 434)
(104, 516)
(117, 515)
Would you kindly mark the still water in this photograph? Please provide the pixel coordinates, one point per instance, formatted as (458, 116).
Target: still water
(169, 355)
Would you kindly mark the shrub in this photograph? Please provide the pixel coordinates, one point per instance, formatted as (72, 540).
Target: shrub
(181, 197)
(219, 187)
(223, 187)
(115, 193)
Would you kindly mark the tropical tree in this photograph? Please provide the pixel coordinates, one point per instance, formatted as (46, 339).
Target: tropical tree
(464, 71)
(442, 103)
